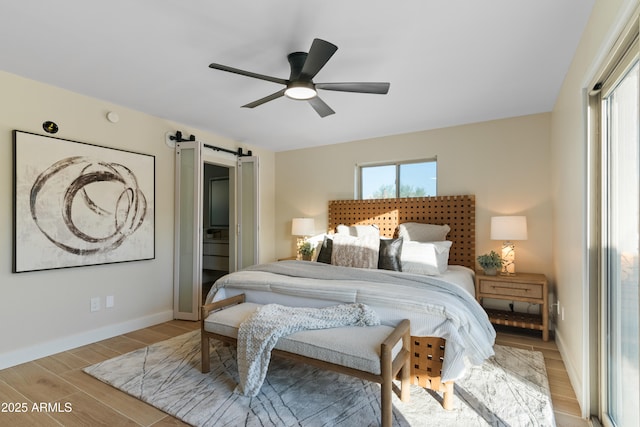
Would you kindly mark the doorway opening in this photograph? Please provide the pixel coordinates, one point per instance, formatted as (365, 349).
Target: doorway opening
(215, 221)
(212, 238)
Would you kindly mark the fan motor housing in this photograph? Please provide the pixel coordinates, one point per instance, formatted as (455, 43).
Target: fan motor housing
(296, 61)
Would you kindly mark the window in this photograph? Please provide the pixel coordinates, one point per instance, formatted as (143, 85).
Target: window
(615, 233)
(404, 179)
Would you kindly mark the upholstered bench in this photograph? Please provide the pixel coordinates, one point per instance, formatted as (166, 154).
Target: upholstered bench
(374, 353)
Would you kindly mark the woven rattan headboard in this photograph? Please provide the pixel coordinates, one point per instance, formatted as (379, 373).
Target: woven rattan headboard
(459, 212)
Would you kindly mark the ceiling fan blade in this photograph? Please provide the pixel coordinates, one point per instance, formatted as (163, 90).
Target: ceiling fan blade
(319, 53)
(320, 106)
(248, 73)
(261, 101)
(374, 87)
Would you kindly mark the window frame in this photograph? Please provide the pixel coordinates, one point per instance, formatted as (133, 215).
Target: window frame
(397, 164)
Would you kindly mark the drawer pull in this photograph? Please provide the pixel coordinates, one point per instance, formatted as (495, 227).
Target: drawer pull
(514, 289)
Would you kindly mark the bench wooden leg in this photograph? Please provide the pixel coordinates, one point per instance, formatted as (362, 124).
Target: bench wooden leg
(386, 387)
(386, 405)
(204, 337)
(204, 351)
(386, 390)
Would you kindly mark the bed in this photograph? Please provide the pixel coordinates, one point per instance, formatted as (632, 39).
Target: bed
(448, 326)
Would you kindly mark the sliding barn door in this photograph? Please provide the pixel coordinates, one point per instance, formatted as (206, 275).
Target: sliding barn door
(248, 215)
(188, 237)
(187, 281)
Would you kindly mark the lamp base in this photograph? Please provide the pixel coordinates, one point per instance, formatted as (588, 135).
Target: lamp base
(508, 259)
(299, 243)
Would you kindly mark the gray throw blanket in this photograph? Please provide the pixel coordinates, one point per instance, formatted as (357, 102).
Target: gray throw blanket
(260, 332)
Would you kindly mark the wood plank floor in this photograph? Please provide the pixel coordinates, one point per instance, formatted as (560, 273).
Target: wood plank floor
(59, 378)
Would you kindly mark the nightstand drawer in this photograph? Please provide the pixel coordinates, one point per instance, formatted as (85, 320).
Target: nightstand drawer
(503, 288)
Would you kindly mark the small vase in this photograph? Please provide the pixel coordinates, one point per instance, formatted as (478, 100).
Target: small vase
(306, 257)
(490, 271)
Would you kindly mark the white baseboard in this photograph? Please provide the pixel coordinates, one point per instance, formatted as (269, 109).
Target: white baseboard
(574, 377)
(48, 348)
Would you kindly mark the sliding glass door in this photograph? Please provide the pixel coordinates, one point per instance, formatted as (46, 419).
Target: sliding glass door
(620, 236)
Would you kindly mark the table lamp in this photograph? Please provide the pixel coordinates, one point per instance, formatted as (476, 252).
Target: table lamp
(508, 228)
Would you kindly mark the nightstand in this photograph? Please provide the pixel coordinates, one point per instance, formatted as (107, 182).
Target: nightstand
(524, 287)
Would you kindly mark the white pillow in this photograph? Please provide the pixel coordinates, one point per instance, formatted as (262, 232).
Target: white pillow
(430, 259)
(358, 230)
(415, 231)
(360, 252)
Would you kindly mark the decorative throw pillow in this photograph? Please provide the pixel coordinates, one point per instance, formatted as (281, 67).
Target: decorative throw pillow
(324, 251)
(360, 252)
(414, 231)
(389, 254)
(358, 230)
(430, 259)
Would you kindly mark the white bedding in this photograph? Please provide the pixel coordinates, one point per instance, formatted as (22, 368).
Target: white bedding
(441, 306)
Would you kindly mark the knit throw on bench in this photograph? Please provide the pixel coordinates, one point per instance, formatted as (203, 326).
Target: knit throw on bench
(259, 334)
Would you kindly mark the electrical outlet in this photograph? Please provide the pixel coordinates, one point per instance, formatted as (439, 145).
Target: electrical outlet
(95, 304)
(109, 303)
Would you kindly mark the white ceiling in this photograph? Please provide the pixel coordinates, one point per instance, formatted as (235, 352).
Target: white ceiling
(449, 62)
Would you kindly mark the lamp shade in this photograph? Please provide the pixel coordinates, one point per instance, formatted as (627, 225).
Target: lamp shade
(509, 228)
(302, 226)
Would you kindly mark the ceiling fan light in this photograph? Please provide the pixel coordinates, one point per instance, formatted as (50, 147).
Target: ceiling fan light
(300, 92)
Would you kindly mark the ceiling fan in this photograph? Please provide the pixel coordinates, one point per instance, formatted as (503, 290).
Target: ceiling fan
(300, 85)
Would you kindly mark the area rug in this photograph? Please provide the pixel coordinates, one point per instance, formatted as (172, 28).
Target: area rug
(510, 389)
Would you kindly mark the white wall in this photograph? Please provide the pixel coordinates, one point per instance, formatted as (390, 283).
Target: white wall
(48, 311)
(569, 168)
(505, 163)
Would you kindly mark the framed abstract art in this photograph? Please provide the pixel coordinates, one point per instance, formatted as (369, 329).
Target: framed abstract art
(77, 204)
